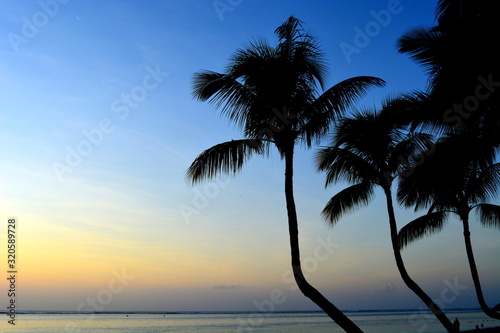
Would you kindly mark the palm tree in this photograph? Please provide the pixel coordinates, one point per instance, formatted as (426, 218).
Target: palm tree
(272, 93)
(366, 152)
(460, 54)
(453, 182)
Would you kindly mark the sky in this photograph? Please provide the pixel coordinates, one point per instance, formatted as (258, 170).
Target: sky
(98, 126)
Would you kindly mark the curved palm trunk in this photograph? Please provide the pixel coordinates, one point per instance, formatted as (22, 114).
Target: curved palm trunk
(304, 286)
(473, 269)
(404, 274)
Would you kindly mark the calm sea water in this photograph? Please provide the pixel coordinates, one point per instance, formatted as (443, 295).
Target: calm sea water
(311, 322)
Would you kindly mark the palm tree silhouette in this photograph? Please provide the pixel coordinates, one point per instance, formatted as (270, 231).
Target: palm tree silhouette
(272, 93)
(460, 54)
(366, 152)
(453, 181)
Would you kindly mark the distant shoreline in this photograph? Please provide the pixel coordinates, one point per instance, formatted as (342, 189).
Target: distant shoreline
(227, 312)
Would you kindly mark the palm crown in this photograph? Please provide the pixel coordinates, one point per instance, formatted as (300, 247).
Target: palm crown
(367, 152)
(272, 94)
(453, 182)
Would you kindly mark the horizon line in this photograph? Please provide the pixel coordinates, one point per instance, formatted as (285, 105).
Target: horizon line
(222, 312)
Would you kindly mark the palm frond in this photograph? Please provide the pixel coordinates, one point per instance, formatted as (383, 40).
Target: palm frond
(251, 56)
(225, 92)
(437, 175)
(333, 104)
(347, 200)
(489, 215)
(415, 188)
(446, 8)
(423, 226)
(409, 150)
(301, 48)
(486, 185)
(224, 158)
(289, 30)
(422, 44)
(414, 109)
(341, 164)
(374, 137)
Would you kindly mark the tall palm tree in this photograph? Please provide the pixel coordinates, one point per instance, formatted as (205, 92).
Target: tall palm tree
(460, 55)
(272, 93)
(452, 182)
(366, 152)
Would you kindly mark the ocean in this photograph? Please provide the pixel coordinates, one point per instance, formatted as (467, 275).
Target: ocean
(408, 321)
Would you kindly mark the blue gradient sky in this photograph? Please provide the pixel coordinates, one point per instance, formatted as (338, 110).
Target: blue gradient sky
(97, 128)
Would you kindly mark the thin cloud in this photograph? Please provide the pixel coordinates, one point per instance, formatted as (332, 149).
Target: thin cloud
(387, 288)
(227, 287)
